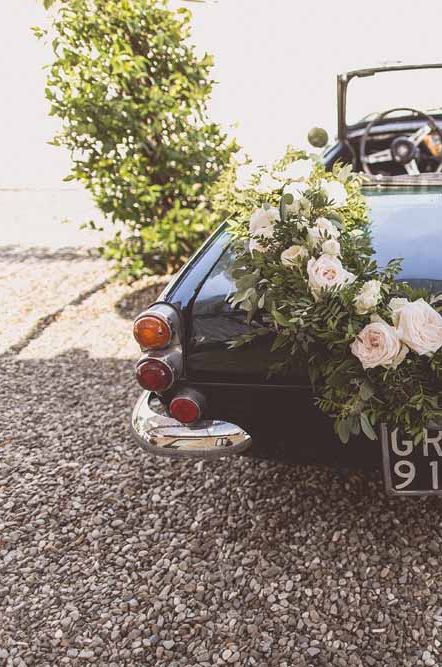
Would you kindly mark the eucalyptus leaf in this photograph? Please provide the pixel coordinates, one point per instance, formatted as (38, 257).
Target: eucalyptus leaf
(280, 318)
(366, 391)
(282, 209)
(367, 427)
(343, 430)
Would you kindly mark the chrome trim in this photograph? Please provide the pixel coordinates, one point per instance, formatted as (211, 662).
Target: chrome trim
(160, 434)
(433, 179)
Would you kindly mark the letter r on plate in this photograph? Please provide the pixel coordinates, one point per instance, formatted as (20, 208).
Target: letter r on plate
(432, 441)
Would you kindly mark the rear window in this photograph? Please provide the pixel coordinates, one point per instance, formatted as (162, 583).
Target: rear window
(219, 285)
(404, 225)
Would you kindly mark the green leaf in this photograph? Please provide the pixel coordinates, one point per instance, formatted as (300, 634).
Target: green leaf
(282, 209)
(353, 424)
(131, 93)
(367, 427)
(366, 391)
(279, 318)
(343, 430)
(279, 342)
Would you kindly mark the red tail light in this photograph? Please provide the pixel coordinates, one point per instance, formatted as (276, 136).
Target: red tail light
(152, 332)
(187, 407)
(154, 375)
(184, 410)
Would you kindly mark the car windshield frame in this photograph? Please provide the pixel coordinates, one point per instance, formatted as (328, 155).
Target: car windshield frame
(344, 79)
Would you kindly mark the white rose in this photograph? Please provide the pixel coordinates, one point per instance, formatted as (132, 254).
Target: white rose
(378, 344)
(327, 272)
(368, 297)
(294, 255)
(297, 169)
(331, 247)
(321, 230)
(395, 305)
(419, 326)
(296, 189)
(335, 191)
(262, 224)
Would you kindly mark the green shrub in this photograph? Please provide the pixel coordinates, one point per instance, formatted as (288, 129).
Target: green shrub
(132, 94)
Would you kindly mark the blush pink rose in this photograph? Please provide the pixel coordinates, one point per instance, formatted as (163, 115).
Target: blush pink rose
(418, 325)
(327, 272)
(378, 344)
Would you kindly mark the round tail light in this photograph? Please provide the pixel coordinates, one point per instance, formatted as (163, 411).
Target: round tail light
(187, 407)
(152, 332)
(154, 375)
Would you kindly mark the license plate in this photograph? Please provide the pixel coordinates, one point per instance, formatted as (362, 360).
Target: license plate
(411, 469)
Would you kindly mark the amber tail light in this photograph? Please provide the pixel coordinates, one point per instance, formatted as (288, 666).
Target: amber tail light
(152, 332)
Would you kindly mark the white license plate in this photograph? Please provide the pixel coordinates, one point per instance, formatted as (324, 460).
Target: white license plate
(411, 469)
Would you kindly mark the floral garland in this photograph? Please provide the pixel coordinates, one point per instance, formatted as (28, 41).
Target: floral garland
(372, 346)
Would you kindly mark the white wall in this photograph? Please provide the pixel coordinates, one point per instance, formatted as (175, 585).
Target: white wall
(25, 128)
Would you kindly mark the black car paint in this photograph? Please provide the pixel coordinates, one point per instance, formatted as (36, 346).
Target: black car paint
(279, 411)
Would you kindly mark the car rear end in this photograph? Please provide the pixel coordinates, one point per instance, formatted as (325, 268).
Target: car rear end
(205, 400)
(217, 401)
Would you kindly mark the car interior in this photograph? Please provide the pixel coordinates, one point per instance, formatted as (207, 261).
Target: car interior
(393, 146)
(377, 135)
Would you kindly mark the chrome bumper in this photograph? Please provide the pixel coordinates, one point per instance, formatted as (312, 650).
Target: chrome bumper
(159, 434)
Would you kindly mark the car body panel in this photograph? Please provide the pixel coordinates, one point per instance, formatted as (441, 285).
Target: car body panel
(279, 410)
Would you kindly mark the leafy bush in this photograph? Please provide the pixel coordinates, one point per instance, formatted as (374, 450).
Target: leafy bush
(132, 95)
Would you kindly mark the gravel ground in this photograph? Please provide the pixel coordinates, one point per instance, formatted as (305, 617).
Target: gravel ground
(110, 557)
(37, 283)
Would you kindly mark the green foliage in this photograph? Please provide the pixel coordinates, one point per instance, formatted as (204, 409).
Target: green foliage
(315, 330)
(132, 95)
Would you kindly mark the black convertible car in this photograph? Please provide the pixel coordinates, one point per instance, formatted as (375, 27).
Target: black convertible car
(205, 400)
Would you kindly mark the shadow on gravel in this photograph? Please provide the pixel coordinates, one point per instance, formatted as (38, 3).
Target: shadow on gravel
(135, 302)
(108, 544)
(18, 253)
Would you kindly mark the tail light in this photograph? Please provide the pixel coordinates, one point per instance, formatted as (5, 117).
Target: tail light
(152, 332)
(187, 406)
(158, 331)
(155, 374)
